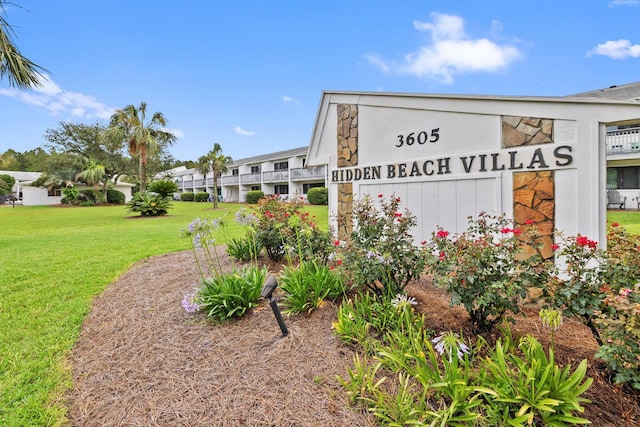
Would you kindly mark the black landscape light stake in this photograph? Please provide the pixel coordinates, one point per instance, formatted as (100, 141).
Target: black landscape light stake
(267, 292)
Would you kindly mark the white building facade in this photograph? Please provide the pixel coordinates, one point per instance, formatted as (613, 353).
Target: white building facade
(284, 173)
(448, 157)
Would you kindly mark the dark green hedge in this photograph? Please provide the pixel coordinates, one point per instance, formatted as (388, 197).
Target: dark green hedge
(318, 196)
(254, 195)
(187, 197)
(115, 196)
(202, 197)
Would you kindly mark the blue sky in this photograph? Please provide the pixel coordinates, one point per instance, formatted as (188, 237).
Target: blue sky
(250, 74)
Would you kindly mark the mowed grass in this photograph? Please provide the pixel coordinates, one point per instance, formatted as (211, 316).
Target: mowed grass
(630, 220)
(53, 262)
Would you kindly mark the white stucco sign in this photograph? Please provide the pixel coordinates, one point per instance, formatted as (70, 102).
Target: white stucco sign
(451, 157)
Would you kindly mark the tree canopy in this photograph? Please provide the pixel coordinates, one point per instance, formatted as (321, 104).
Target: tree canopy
(216, 162)
(6, 184)
(143, 137)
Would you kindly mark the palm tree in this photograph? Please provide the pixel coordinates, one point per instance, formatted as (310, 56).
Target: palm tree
(20, 71)
(216, 162)
(94, 174)
(143, 137)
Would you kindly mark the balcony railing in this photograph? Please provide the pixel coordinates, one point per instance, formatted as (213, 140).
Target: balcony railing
(250, 178)
(231, 180)
(198, 183)
(276, 176)
(623, 141)
(306, 174)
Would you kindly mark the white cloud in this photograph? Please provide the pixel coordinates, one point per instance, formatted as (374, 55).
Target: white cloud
(617, 49)
(58, 102)
(615, 3)
(450, 52)
(376, 60)
(289, 100)
(241, 131)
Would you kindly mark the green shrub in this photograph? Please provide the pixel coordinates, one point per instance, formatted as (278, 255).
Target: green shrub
(245, 248)
(318, 196)
(70, 195)
(282, 229)
(232, 294)
(254, 195)
(90, 195)
(368, 318)
(308, 285)
(6, 184)
(379, 252)
(165, 187)
(115, 196)
(481, 268)
(187, 197)
(533, 387)
(149, 204)
(201, 197)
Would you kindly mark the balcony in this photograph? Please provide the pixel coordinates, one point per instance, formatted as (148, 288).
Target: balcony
(198, 183)
(276, 176)
(308, 174)
(231, 180)
(623, 141)
(250, 178)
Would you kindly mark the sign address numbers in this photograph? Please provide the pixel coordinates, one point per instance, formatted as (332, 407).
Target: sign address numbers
(421, 137)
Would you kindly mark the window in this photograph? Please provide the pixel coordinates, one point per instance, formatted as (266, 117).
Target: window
(235, 172)
(623, 177)
(306, 187)
(281, 189)
(280, 166)
(255, 169)
(54, 192)
(255, 188)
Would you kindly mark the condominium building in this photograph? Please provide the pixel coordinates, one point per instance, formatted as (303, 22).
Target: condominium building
(283, 172)
(622, 146)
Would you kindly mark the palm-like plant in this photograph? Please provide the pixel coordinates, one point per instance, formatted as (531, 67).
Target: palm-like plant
(216, 162)
(63, 178)
(143, 137)
(93, 174)
(19, 70)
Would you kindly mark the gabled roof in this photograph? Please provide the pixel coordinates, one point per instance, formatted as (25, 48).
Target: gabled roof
(22, 177)
(629, 91)
(278, 155)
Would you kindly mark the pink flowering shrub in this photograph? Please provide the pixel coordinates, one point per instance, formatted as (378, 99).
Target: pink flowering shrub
(281, 228)
(480, 268)
(576, 290)
(601, 289)
(380, 253)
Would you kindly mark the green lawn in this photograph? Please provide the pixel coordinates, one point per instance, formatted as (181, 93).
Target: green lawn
(54, 261)
(630, 220)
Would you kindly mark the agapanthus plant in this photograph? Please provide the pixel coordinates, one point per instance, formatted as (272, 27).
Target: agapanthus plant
(201, 233)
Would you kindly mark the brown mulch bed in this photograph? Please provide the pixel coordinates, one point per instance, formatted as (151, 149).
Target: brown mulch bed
(141, 360)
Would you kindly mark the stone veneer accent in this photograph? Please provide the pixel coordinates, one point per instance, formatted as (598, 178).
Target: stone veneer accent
(345, 209)
(519, 131)
(534, 202)
(533, 192)
(347, 135)
(347, 150)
